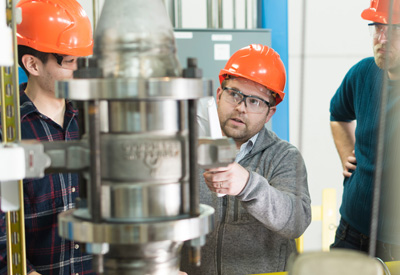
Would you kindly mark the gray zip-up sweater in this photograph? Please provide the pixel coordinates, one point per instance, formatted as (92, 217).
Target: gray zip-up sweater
(255, 231)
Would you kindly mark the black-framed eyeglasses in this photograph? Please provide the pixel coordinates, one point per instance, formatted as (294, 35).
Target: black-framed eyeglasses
(376, 29)
(254, 104)
(66, 61)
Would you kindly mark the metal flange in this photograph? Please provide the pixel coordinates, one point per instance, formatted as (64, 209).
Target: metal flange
(85, 231)
(134, 89)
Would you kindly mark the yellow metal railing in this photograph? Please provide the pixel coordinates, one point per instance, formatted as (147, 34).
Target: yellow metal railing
(10, 120)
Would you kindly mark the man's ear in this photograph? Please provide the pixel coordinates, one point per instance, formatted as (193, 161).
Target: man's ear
(219, 92)
(31, 64)
(272, 111)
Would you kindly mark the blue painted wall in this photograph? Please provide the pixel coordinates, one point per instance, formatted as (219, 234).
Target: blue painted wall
(22, 76)
(274, 16)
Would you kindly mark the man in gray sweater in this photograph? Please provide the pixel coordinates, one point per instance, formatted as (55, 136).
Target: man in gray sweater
(267, 203)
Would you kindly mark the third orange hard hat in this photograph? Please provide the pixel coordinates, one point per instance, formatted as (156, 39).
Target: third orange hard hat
(379, 11)
(260, 64)
(55, 26)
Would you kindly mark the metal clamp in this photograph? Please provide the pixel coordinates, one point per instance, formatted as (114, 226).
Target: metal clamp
(216, 152)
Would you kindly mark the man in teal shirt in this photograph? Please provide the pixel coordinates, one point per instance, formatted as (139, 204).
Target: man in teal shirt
(358, 100)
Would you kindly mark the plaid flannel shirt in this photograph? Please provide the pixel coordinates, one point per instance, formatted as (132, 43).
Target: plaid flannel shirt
(44, 199)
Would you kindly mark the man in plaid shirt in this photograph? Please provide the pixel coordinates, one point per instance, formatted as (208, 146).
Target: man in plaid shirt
(53, 33)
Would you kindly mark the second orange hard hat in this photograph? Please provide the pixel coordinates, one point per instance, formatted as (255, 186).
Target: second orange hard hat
(379, 11)
(55, 26)
(260, 64)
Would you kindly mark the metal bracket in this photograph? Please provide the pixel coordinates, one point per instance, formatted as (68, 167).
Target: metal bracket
(216, 152)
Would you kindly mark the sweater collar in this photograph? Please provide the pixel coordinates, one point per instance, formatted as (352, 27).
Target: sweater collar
(265, 139)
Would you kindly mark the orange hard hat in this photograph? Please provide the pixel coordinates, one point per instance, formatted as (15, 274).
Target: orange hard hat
(379, 12)
(260, 64)
(55, 26)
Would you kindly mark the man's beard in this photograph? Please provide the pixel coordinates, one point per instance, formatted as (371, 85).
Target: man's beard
(386, 60)
(235, 133)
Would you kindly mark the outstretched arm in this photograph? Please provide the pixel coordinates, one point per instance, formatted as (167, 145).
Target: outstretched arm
(281, 202)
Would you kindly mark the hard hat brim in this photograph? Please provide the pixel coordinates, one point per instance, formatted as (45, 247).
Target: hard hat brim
(378, 17)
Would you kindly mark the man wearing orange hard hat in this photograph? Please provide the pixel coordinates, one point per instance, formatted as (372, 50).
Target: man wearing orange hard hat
(355, 116)
(51, 36)
(266, 203)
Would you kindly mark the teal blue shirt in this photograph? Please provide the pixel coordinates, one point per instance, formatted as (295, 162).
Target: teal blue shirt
(358, 98)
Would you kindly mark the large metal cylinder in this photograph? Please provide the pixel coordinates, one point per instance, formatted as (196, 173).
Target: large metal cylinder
(144, 168)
